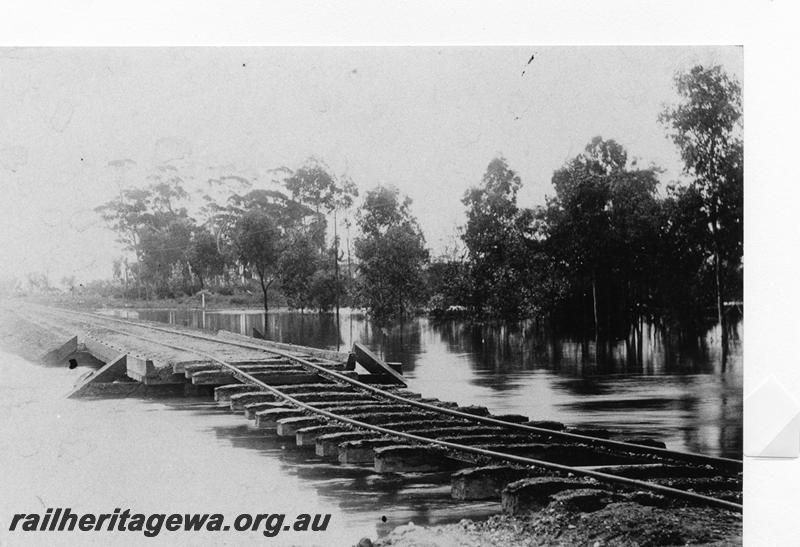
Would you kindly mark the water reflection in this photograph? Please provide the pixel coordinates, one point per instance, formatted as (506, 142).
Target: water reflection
(678, 390)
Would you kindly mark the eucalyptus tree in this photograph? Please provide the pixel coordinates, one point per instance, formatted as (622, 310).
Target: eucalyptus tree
(315, 186)
(391, 255)
(266, 220)
(603, 227)
(494, 236)
(707, 128)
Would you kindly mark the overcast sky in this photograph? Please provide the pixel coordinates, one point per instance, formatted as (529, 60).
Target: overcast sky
(427, 120)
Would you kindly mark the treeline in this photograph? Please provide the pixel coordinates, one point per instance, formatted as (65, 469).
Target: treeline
(608, 250)
(273, 238)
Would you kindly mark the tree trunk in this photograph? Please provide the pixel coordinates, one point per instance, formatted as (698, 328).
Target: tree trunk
(264, 287)
(719, 290)
(594, 306)
(336, 274)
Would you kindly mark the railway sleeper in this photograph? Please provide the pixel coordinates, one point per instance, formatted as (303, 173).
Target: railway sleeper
(487, 482)
(446, 430)
(307, 435)
(564, 454)
(361, 451)
(403, 458)
(239, 401)
(702, 485)
(288, 427)
(532, 494)
(546, 424)
(658, 470)
(223, 394)
(327, 446)
(383, 418)
(189, 370)
(272, 378)
(197, 366)
(489, 439)
(268, 419)
(314, 397)
(252, 409)
(252, 369)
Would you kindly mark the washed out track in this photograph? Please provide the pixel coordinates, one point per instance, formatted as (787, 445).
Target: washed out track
(324, 405)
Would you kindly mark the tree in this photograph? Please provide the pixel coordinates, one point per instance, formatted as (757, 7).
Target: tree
(126, 215)
(204, 256)
(495, 238)
(257, 239)
(707, 128)
(297, 265)
(267, 221)
(150, 222)
(314, 186)
(391, 253)
(602, 226)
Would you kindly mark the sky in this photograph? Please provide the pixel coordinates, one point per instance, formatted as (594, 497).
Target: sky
(77, 124)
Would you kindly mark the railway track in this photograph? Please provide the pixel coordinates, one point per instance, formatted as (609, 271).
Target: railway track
(323, 405)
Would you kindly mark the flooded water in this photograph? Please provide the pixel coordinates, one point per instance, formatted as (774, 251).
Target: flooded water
(178, 455)
(678, 394)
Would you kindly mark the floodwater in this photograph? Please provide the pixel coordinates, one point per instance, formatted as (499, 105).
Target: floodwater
(680, 394)
(176, 455)
(179, 455)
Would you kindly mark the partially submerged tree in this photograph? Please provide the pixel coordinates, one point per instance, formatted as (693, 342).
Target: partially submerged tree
(602, 227)
(707, 128)
(493, 238)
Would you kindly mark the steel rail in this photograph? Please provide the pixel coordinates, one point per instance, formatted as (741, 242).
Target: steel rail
(690, 457)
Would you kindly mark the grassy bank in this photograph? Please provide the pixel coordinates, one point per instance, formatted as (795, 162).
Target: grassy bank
(93, 301)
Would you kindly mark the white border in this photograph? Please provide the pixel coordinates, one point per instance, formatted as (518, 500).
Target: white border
(767, 30)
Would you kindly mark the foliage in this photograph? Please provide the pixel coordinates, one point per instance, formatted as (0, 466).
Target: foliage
(204, 256)
(602, 227)
(257, 239)
(496, 236)
(707, 128)
(297, 265)
(606, 250)
(391, 254)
